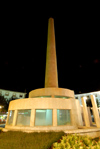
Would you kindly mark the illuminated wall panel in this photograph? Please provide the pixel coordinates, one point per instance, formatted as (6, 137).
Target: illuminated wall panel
(23, 117)
(43, 117)
(63, 117)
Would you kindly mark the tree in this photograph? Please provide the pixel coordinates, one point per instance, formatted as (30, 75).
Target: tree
(97, 101)
(5, 103)
(89, 103)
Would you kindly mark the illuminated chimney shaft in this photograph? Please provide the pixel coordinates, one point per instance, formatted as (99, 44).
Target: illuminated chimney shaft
(51, 75)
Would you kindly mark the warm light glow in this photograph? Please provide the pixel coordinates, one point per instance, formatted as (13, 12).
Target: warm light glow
(85, 97)
(1, 107)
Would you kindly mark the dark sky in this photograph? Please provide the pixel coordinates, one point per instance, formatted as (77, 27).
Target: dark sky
(23, 49)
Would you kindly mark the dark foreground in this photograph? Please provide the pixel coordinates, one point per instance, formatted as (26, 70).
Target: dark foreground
(43, 140)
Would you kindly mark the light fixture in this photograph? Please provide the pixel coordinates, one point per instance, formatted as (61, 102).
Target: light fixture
(85, 97)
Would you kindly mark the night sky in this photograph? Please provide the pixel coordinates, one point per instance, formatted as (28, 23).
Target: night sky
(23, 49)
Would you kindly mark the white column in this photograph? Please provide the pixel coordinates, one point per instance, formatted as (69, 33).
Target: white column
(15, 118)
(80, 122)
(54, 117)
(95, 111)
(32, 118)
(7, 117)
(79, 98)
(85, 113)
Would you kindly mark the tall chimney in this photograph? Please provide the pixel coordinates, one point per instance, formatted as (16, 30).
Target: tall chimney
(51, 75)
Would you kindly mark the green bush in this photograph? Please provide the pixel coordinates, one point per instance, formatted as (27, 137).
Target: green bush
(77, 142)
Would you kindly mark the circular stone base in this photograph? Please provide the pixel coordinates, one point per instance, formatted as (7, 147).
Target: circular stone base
(40, 129)
(22, 114)
(51, 92)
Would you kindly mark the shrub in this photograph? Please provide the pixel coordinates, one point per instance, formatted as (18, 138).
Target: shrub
(77, 142)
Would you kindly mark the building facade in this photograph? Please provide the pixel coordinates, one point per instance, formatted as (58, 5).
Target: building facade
(87, 96)
(7, 94)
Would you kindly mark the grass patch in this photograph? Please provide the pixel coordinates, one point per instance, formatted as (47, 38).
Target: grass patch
(46, 140)
(22, 140)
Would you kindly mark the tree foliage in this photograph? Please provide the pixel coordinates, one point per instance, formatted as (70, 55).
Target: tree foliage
(5, 103)
(89, 103)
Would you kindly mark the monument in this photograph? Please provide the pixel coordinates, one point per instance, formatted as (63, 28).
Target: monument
(49, 108)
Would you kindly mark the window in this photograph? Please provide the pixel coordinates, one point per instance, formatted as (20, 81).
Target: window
(76, 97)
(23, 117)
(42, 96)
(6, 94)
(20, 95)
(64, 97)
(14, 95)
(63, 117)
(10, 119)
(43, 117)
(95, 95)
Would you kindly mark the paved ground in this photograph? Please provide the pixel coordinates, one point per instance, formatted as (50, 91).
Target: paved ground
(92, 131)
